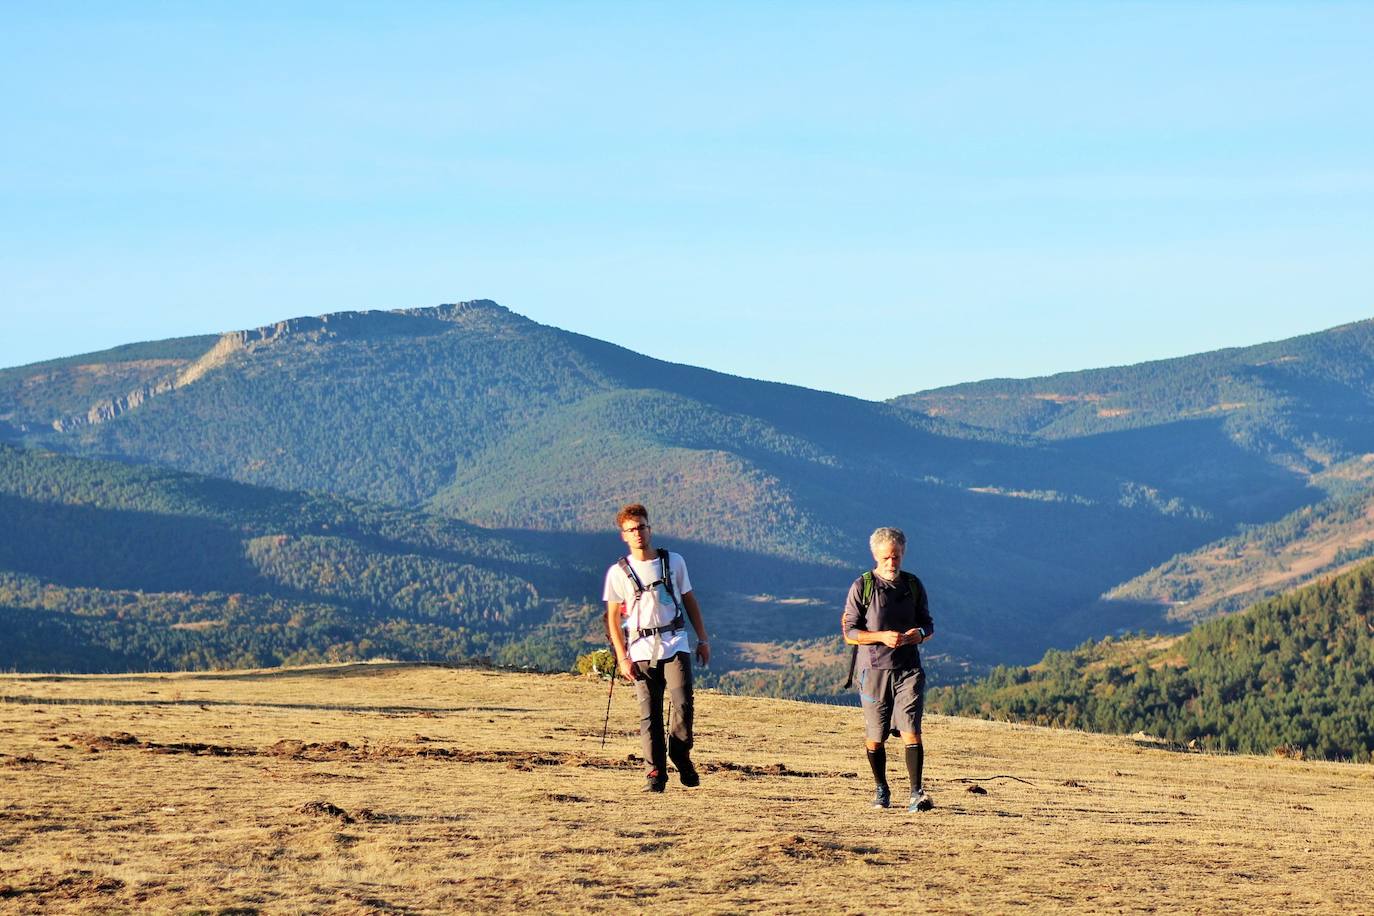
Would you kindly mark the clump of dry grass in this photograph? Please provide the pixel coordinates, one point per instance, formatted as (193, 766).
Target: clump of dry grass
(394, 788)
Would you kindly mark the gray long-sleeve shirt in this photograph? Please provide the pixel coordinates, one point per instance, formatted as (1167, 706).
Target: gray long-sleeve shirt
(898, 606)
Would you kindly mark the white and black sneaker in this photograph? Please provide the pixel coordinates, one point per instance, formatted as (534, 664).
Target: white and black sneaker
(882, 798)
(920, 802)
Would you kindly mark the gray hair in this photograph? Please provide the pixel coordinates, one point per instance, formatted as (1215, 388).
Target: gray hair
(886, 536)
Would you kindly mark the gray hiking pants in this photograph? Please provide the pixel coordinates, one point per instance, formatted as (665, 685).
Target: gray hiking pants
(673, 675)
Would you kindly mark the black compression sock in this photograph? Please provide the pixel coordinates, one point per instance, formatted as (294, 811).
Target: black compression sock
(915, 761)
(877, 760)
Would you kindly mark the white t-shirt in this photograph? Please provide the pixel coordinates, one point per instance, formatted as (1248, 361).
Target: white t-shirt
(654, 607)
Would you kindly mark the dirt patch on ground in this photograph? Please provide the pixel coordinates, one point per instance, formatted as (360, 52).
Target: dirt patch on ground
(319, 752)
(335, 751)
(72, 885)
(23, 760)
(746, 770)
(564, 798)
(798, 847)
(517, 760)
(125, 741)
(326, 809)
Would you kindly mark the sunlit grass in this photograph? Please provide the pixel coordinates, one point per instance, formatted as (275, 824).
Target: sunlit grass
(474, 790)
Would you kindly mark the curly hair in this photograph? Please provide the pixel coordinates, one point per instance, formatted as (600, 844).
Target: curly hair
(886, 536)
(633, 510)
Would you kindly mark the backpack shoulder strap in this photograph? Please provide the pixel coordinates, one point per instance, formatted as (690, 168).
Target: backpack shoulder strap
(666, 575)
(865, 598)
(624, 564)
(665, 572)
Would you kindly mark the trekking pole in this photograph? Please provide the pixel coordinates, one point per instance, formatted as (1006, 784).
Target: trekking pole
(606, 724)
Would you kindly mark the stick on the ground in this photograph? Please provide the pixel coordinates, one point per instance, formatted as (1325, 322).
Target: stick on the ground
(999, 776)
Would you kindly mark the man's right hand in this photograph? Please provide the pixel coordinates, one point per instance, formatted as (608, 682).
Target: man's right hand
(891, 638)
(628, 669)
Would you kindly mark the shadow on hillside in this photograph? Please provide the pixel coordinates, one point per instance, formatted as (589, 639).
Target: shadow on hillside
(35, 639)
(1335, 409)
(90, 547)
(1114, 618)
(1199, 461)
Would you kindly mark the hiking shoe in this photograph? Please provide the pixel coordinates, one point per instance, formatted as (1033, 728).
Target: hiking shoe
(882, 798)
(654, 781)
(920, 802)
(688, 774)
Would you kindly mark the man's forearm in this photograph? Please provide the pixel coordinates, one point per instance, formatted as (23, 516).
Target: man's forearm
(866, 637)
(689, 601)
(613, 628)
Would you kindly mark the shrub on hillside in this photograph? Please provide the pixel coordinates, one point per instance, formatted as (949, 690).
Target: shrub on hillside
(600, 663)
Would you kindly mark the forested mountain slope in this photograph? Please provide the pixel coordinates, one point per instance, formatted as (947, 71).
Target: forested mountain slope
(1248, 427)
(1266, 559)
(1293, 672)
(105, 566)
(1302, 404)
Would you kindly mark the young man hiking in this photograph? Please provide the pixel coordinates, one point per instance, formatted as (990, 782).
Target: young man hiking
(886, 616)
(647, 593)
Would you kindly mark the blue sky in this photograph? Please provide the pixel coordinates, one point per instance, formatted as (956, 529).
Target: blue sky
(871, 198)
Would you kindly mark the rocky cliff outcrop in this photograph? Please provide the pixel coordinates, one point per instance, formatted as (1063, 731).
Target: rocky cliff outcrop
(338, 325)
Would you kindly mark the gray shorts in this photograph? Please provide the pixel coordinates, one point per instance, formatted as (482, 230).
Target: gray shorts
(892, 700)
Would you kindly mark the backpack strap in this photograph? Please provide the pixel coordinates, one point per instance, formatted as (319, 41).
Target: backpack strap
(629, 570)
(665, 576)
(865, 598)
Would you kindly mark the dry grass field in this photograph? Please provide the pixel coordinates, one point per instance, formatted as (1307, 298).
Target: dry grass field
(411, 789)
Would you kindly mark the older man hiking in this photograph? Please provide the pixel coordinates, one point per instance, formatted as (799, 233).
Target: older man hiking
(887, 615)
(646, 594)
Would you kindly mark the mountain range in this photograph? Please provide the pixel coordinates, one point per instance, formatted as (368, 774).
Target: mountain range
(1040, 512)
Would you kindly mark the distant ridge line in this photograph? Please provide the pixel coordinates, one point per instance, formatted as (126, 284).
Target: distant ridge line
(231, 343)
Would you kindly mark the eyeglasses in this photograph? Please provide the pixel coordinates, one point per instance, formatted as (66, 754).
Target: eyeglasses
(635, 530)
